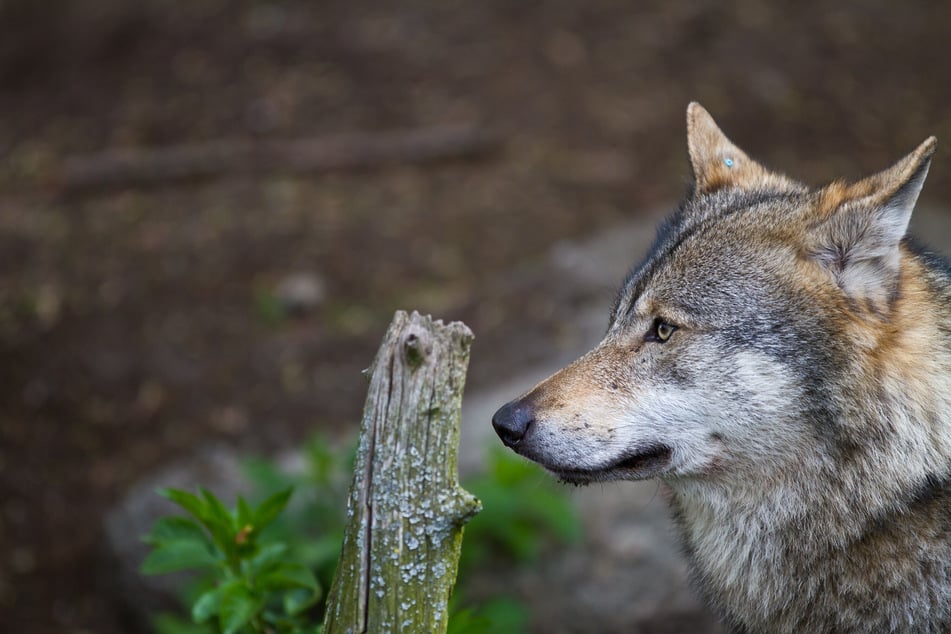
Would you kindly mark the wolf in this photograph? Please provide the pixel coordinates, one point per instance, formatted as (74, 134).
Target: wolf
(781, 362)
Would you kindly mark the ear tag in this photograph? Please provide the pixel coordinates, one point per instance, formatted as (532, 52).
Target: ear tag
(728, 162)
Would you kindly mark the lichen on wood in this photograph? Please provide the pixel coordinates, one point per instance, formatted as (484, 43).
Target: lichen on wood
(406, 510)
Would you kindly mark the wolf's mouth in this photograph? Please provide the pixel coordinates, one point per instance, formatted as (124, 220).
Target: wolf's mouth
(637, 466)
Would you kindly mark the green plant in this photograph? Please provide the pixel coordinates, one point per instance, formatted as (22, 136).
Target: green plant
(268, 307)
(499, 614)
(313, 526)
(256, 586)
(524, 511)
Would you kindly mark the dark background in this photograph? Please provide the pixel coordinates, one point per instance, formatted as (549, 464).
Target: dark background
(137, 323)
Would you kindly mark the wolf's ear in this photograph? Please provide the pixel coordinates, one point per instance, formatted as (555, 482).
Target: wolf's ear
(860, 227)
(718, 163)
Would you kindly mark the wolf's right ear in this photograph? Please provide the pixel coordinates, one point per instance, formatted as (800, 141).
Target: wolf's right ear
(856, 230)
(718, 163)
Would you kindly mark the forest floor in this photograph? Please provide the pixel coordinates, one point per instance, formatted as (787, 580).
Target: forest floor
(138, 322)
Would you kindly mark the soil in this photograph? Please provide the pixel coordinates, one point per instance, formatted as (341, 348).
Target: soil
(137, 323)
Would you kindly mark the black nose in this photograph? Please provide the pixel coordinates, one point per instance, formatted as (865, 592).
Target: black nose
(512, 421)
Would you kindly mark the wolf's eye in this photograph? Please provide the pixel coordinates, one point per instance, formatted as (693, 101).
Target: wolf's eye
(660, 331)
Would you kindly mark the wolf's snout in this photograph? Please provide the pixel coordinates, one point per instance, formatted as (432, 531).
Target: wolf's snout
(512, 421)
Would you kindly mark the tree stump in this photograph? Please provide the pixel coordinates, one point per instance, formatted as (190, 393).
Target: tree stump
(406, 510)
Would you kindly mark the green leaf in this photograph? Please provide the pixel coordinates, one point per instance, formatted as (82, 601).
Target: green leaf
(174, 556)
(176, 529)
(207, 605)
(209, 515)
(468, 622)
(245, 515)
(298, 600)
(289, 575)
(218, 521)
(504, 615)
(238, 607)
(217, 511)
(269, 509)
(191, 503)
(269, 555)
(522, 541)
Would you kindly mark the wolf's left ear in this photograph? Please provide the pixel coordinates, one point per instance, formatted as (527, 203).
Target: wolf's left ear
(859, 228)
(718, 163)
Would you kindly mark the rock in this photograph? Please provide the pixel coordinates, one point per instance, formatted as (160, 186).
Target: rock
(300, 293)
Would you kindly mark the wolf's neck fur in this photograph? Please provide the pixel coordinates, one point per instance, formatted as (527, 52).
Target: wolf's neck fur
(786, 548)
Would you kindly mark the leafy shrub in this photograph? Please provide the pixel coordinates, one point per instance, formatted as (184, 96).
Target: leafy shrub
(258, 586)
(523, 510)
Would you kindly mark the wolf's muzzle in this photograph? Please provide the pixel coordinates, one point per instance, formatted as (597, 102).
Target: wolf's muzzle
(513, 420)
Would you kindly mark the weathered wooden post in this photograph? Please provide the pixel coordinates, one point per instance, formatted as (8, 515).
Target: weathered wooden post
(406, 509)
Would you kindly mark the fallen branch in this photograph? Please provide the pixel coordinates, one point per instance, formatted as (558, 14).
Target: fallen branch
(406, 510)
(216, 158)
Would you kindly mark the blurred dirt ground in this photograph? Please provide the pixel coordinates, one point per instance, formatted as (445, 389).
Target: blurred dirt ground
(137, 323)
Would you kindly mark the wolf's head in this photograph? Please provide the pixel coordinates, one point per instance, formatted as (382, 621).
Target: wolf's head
(741, 339)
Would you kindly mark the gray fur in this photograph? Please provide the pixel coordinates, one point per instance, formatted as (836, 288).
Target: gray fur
(800, 415)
